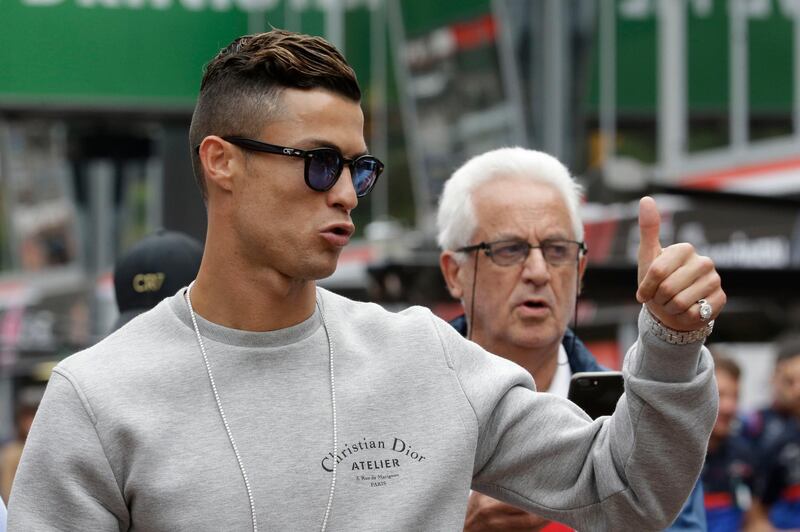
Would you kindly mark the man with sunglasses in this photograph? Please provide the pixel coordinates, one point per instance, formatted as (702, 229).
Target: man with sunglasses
(513, 253)
(254, 400)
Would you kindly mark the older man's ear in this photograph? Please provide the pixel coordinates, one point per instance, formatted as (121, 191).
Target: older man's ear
(450, 271)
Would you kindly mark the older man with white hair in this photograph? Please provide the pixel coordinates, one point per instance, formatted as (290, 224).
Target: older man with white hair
(513, 253)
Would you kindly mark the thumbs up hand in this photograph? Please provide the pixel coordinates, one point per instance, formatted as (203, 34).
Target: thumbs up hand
(673, 279)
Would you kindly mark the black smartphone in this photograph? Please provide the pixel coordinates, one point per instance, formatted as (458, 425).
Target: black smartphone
(596, 392)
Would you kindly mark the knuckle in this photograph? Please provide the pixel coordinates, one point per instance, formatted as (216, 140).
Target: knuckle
(682, 248)
(667, 290)
(657, 271)
(682, 303)
(706, 263)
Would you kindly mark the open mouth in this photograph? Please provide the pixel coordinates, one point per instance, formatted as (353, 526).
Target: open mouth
(341, 231)
(534, 304)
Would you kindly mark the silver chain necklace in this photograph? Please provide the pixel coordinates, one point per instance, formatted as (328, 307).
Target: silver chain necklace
(228, 428)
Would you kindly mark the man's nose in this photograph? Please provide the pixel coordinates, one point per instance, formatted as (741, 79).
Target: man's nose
(343, 192)
(535, 268)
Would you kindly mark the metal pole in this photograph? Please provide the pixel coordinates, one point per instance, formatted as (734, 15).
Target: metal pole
(334, 23)
(555, 86)
(608, 79)
(100, 175)
(419, 175)
(535, 73)
(671, 83)
(291, 16)
(155, 193)
(510, 73)
(739, 108)
(378, 111)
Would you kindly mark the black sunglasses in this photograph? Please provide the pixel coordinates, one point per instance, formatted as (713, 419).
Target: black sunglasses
(323, 166)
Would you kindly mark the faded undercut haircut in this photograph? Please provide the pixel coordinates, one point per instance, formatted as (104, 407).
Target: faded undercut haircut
(241, 86)
(456, 219)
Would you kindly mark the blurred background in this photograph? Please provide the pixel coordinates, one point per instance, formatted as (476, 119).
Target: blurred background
(694, 101)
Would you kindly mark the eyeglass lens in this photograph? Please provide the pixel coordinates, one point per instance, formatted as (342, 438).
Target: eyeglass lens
(554, 252)
(325, 166)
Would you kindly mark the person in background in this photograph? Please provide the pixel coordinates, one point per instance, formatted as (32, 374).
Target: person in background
(253, 399)
(775, 433)
(728, 471)
(11, 452)
(512, 252)
(153, 269)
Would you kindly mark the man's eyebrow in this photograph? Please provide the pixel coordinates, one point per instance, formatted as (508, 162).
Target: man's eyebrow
(505, 236)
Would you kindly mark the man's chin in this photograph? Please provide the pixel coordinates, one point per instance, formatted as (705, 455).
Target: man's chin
(538, 335)
(322, 271)
(537, 342)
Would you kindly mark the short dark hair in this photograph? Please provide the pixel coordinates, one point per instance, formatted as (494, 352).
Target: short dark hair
(728, 365)
(242, 84)
(788, 347)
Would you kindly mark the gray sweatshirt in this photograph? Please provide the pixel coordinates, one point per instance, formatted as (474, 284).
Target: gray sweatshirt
(129, 437)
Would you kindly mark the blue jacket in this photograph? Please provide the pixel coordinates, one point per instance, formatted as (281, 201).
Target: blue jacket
(692, 517)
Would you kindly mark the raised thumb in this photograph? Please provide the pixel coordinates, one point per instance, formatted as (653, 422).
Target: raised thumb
(649, 226)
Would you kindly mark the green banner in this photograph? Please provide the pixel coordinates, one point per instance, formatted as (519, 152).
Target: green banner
(123, 53)
(770, 45)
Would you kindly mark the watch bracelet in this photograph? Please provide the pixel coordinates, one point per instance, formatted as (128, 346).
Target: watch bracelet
(671, 336)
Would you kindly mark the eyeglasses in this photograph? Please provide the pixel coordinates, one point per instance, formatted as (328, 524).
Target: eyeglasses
(323, 165)
(510, 252)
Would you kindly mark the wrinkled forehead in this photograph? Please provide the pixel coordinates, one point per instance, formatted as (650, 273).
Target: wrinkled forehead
(521, 206)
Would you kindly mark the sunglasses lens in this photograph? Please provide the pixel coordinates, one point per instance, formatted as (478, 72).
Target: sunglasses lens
(367, 170)
(324, 168)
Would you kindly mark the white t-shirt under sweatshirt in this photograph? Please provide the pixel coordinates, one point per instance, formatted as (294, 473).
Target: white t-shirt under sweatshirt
(128, 435)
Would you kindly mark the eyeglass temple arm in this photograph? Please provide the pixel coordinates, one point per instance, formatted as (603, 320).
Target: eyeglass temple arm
(264, 147)
(474, 247)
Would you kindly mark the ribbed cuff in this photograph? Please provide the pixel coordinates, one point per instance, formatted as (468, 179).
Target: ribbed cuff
(659, 360)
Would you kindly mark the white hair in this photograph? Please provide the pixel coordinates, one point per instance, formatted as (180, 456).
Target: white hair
(456, 220)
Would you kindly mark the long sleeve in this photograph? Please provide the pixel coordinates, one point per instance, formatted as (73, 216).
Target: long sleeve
(630, 471)
(3, 516)
(64, 481)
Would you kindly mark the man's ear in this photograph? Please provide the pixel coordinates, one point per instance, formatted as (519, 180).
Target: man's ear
(219, 159)
(450, 269)
(582, 262)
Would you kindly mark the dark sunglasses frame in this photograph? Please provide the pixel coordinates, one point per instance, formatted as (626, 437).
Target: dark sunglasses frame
(309, 156)
(487, 249)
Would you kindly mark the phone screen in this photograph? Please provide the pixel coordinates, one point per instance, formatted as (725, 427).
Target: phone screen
(596, 393)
